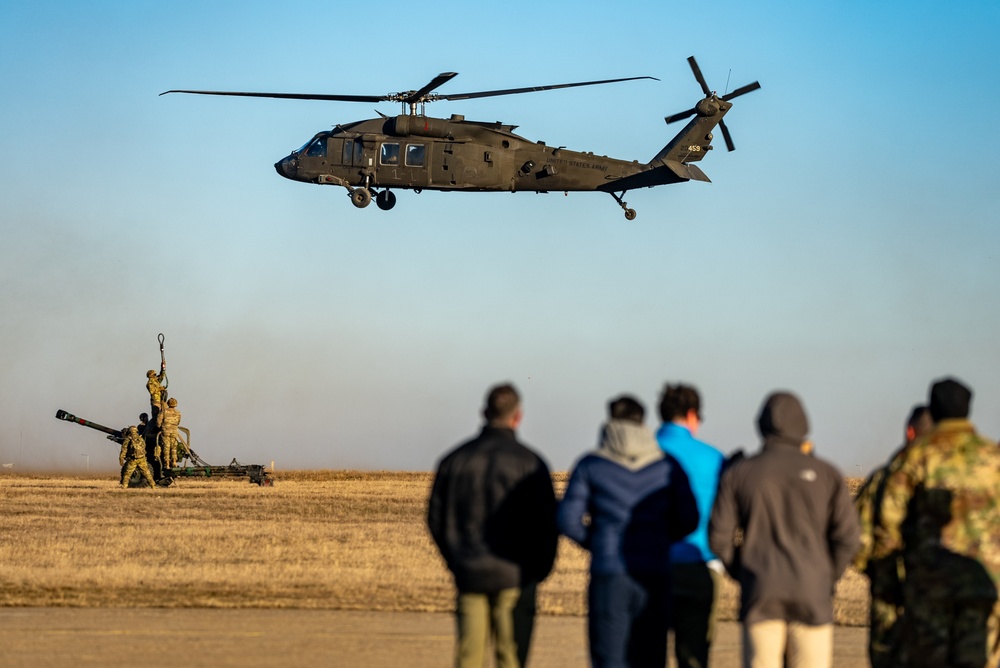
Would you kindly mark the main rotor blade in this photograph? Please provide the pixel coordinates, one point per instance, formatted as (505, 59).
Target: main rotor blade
(728, 137)
(697, 75)
(680, 116)
(289, 96)
(743, 90)
(442, 78)
(532, 89)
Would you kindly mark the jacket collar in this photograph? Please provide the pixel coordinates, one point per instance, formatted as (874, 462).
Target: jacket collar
(502, 432)
(955, 425)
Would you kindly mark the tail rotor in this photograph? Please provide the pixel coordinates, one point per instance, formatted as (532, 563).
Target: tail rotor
(712, 104)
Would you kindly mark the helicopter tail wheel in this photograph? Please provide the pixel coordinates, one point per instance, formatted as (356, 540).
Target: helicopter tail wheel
(361, 197)
(629, 213)
(385, 200)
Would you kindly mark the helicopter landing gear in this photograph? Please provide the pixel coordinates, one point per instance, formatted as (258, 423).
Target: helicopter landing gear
(385, 200)
(361, 197)
(629, 213)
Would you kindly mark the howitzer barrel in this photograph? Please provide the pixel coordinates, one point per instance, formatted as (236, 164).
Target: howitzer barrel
(114, 434)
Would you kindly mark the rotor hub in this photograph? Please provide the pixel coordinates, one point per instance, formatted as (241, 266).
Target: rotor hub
(708, 107)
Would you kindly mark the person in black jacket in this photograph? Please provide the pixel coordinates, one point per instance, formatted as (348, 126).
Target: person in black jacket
(798, 532)
(492, 515)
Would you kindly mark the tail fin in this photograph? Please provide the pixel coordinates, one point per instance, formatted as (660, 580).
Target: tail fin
(690, 145)
(695, 140)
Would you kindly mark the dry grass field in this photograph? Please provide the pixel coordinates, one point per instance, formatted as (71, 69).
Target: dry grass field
(342, 540)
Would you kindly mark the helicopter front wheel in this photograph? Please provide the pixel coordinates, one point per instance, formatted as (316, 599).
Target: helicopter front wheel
(361, 197)
(630, 214)
(385, 200)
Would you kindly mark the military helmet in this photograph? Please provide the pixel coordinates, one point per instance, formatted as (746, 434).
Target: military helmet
(171, 402)
(150, 373)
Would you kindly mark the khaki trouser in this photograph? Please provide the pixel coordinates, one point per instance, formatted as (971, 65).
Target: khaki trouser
(769, 643)
(507, 617)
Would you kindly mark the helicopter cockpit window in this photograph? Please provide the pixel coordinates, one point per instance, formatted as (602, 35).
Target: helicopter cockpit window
(390, 154)
(415, 155)
(317, 149)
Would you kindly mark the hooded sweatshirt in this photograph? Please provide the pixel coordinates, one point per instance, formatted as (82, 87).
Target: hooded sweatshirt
(637, 499)
(799, 528)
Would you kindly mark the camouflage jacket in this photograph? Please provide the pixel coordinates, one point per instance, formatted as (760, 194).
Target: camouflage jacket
(133, 447)
(168, 420)
(941, 509)
(155, 387)
(868, 503)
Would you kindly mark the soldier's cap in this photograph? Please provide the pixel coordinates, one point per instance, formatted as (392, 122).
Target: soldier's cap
(949, 399)
(171, 402)
(783, 420)
(150, 373)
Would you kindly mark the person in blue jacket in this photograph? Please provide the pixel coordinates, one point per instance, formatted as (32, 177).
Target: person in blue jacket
(696, 572)
(627, 503)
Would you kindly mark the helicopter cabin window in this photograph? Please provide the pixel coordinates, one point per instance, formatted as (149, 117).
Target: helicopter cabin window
(415, 155)
(390, 154)
(317, 149)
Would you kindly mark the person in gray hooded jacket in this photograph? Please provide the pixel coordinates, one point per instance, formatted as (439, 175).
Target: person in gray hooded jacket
(627, 503)
(784, 526)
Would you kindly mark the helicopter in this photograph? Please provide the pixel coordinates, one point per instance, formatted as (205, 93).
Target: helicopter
(413, 151)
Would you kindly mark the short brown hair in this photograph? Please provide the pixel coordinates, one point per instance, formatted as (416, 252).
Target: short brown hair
(677, 400)
(502, 402)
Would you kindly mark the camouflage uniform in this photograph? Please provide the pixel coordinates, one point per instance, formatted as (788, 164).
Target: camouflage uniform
(941, 509)
(133, 456)
(154, 385)
(886, 574)
(168, 421)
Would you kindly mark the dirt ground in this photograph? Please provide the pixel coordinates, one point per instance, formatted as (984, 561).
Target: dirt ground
(153, 637)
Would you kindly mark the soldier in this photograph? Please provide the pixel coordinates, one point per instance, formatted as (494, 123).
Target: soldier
(143, 423)
(941, 509)
(133, 456)
(885, 574)
(156, 386)
(168, 421)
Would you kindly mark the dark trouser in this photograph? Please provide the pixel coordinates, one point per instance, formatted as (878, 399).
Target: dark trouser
(694, 597)
(949, 632)
(628, 620)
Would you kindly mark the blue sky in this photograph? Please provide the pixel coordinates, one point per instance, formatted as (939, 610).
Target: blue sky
(847, 250)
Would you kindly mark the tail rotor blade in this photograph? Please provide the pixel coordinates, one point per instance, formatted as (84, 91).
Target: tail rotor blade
(681, 116)
(742, 90)
(728, 137)
(697, 75)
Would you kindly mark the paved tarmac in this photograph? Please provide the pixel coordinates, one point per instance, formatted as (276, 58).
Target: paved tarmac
(154, 637)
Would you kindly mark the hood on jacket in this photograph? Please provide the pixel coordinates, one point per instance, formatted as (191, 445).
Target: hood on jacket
(782, 420)
(629, 444)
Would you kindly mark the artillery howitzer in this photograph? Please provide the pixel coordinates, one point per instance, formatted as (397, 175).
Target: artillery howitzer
(197, 467)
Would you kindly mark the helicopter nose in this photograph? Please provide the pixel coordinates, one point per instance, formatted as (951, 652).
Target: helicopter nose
(287, 167)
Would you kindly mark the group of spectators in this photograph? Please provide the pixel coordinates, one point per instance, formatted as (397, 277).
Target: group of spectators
(665, 516)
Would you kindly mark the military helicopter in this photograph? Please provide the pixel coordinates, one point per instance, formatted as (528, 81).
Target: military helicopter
(416, 152)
